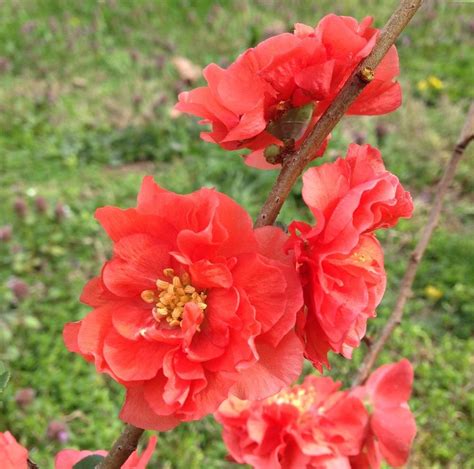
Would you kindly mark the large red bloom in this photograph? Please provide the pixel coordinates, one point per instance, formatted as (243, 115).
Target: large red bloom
(67, 458)
(194, 304)
(252, 103)
(313, 425)
(339, 259)
(12, 454)
(392, 427)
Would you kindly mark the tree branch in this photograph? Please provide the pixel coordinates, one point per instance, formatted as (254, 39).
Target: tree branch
(467, 135)
(294, 164)
(125, 445)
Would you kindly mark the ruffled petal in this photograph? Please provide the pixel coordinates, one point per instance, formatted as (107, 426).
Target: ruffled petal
(275, 369)
(138, 412)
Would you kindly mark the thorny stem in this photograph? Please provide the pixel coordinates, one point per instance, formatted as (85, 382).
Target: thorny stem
(295, 163)
(467, 135)
(293, 167)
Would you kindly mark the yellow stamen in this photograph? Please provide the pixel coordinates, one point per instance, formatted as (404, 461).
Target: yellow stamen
(148, 296)
(360, 257)
(299, 397)
(161, 284)
(169, 272)
(171, 297)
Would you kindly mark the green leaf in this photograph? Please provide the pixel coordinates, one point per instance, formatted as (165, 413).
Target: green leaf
(4, 377)
(89, 462)
(292, 124)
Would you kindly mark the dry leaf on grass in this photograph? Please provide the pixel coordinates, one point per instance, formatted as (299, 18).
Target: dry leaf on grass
(186, 69)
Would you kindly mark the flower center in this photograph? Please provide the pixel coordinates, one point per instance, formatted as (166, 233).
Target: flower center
(360, 257)
(299, 397)
(171, 297)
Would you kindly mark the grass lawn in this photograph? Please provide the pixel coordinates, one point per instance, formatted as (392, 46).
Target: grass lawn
(86, 90)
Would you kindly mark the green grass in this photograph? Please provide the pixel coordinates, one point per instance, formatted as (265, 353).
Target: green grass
(85, 93)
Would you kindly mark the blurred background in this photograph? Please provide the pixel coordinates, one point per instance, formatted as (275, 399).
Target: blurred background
(86, 95)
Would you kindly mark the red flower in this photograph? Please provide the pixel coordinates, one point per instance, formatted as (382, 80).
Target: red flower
(392, 427)
(66, 458)
(12, 454)
(340, 260)
(252, 103)
(194, 304)
(311, 425)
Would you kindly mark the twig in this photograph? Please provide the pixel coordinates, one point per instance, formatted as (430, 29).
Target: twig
(125, 445)
(294, 164)
(467, 135)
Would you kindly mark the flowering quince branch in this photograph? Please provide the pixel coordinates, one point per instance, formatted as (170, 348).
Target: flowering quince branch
(184, 382)
(197, 305)
(467, 135)
(294, 164)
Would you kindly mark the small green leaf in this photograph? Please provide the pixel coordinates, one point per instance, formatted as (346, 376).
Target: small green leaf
(89, 462)
(292, 124)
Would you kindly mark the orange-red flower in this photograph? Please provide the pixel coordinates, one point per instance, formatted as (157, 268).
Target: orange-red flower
(317, 425)
(276, 92)
(12, 454)
(312, 425)
(67, 458)
(193, 305)
(392, 427)
(339, 259)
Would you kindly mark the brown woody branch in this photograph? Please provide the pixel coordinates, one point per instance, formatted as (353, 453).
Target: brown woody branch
(295, 163)
(467, 135)
(125, 445)
(293, 166)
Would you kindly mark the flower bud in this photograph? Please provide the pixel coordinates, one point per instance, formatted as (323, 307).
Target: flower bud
(20, 207)
(61, 211)
(19, 288)
(24, 397)
(6, 233)
(58, 431)
(41, 204)
(272, 153)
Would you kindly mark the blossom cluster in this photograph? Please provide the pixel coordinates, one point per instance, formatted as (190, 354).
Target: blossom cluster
(15, 456)
(317, 425)
(196, 307)
(274, 94)
(196, 304)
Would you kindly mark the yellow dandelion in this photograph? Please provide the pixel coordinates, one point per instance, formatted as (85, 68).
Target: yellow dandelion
(422, 85)
(435, 82)
(433, 293)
